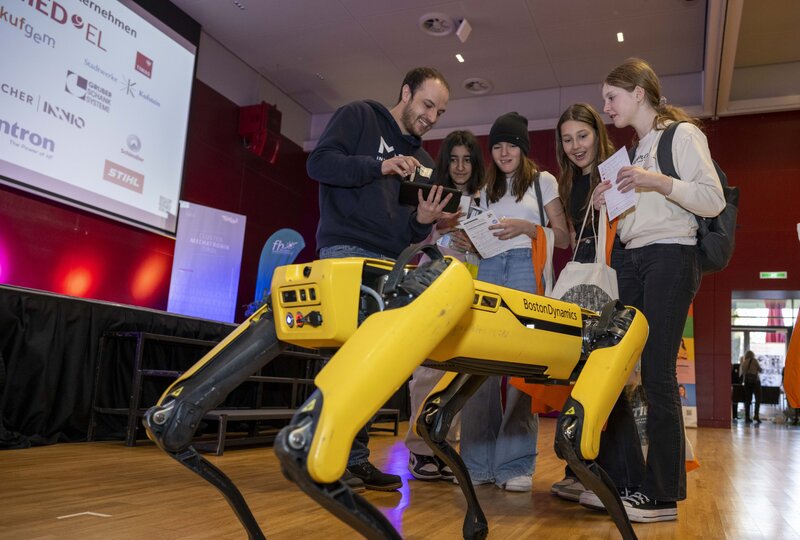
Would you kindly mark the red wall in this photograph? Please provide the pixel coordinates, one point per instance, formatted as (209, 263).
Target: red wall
(52, 247)
(43, 245)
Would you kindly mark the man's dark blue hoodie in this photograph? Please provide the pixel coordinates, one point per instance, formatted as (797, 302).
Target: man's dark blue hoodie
(359, 206)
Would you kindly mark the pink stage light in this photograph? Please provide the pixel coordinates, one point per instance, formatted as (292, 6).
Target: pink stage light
(147, 279)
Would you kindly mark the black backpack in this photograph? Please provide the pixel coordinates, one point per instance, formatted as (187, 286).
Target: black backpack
(715, 236)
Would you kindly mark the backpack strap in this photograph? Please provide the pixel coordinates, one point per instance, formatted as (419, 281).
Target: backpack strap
(538, 189)
(664, 151)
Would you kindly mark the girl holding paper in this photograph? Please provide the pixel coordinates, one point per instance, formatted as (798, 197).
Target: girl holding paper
(459, 165)
(499, 445)
(657, 268)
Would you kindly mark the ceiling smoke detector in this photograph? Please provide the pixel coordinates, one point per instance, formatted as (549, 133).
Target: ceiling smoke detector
(436, 24)
(477, 85)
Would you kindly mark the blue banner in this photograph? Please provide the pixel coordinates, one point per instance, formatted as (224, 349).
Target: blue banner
(280, 249)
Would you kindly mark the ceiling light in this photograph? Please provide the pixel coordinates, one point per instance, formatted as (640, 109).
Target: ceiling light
(238, 4)
(620, 37)
(460, 58)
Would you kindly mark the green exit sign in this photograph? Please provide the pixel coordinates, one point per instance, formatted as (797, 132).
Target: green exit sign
(772, 275)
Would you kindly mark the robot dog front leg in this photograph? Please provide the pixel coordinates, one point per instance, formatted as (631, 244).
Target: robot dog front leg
(376, 360)
(614, 343)
(172, 422)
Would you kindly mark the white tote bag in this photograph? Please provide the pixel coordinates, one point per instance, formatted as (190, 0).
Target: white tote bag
(590, 285)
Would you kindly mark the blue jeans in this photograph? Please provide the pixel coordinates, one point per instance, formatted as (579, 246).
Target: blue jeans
(497, 444)
(661, 281)
(359, 452)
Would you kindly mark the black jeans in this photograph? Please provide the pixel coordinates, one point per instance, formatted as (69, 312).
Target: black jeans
(661, 281)
(752, 388)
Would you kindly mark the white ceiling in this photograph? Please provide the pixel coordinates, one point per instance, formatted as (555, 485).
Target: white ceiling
(715, 57)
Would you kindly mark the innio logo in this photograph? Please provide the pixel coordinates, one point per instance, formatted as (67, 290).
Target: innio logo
(30, 32)
(88, 91)
(57, 112)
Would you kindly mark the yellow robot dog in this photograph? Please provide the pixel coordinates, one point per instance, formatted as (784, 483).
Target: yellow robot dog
(385, 319)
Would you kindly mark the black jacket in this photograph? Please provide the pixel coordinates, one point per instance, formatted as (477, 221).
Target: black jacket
(359, 206)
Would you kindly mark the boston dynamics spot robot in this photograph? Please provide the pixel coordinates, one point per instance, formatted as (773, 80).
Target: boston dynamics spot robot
(384, 319)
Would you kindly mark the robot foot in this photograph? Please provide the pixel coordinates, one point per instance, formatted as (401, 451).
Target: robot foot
(593, 477)
(196, 463)
(337, 498)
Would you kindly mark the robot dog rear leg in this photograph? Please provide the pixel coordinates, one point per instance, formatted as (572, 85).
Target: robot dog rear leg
(433, 424)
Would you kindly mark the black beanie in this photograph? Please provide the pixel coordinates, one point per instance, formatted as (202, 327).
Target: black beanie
(511, 128)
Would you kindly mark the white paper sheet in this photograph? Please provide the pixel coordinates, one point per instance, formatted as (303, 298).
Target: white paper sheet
(616, 201)
(484, 240)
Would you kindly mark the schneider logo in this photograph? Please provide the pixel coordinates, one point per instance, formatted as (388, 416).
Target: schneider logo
(134, 145)
(84, 89)
(122, 176)
(547, 309)
(26, 28)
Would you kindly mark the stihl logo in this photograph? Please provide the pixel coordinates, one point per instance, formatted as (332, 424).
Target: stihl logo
(122, 176)
(384, 148)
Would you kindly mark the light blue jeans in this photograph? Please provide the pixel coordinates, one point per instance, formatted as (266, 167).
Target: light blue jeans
(500, 444)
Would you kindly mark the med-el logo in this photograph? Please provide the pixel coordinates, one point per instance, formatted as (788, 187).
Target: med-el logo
(132, 147)
(88, 91)
(122, 176)
(26, 28)
(144, 65)
(60, 113)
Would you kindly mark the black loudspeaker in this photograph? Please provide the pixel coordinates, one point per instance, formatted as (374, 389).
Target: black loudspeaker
(260, 129)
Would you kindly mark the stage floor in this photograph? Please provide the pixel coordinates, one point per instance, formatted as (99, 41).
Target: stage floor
(748, 486)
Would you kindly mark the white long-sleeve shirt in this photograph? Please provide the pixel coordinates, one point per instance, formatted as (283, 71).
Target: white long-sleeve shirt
(671, 219)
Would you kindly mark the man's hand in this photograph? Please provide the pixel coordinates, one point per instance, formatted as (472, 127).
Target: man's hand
(431, 208)
(401, 165)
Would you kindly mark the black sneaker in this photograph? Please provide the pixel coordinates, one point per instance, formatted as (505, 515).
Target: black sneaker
(590, 500)
(423, 467)
(356, 484)
(375, 479)
(641, 509)
(446, 472)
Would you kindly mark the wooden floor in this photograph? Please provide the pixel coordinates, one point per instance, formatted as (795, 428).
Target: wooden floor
(748, 487)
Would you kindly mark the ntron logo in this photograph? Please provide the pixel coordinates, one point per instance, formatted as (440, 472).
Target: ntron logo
(25, 138)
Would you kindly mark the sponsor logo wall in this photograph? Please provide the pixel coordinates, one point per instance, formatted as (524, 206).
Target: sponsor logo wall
(93, 100)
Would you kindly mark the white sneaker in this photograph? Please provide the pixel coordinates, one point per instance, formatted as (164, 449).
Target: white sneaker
(590, 500)
(570, 488)
(519, 483)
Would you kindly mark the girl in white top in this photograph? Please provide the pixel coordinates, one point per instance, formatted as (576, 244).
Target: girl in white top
(659, 273)
(499, 445)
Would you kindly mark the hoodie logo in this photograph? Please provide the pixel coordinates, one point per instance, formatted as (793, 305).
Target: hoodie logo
(385, 148)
